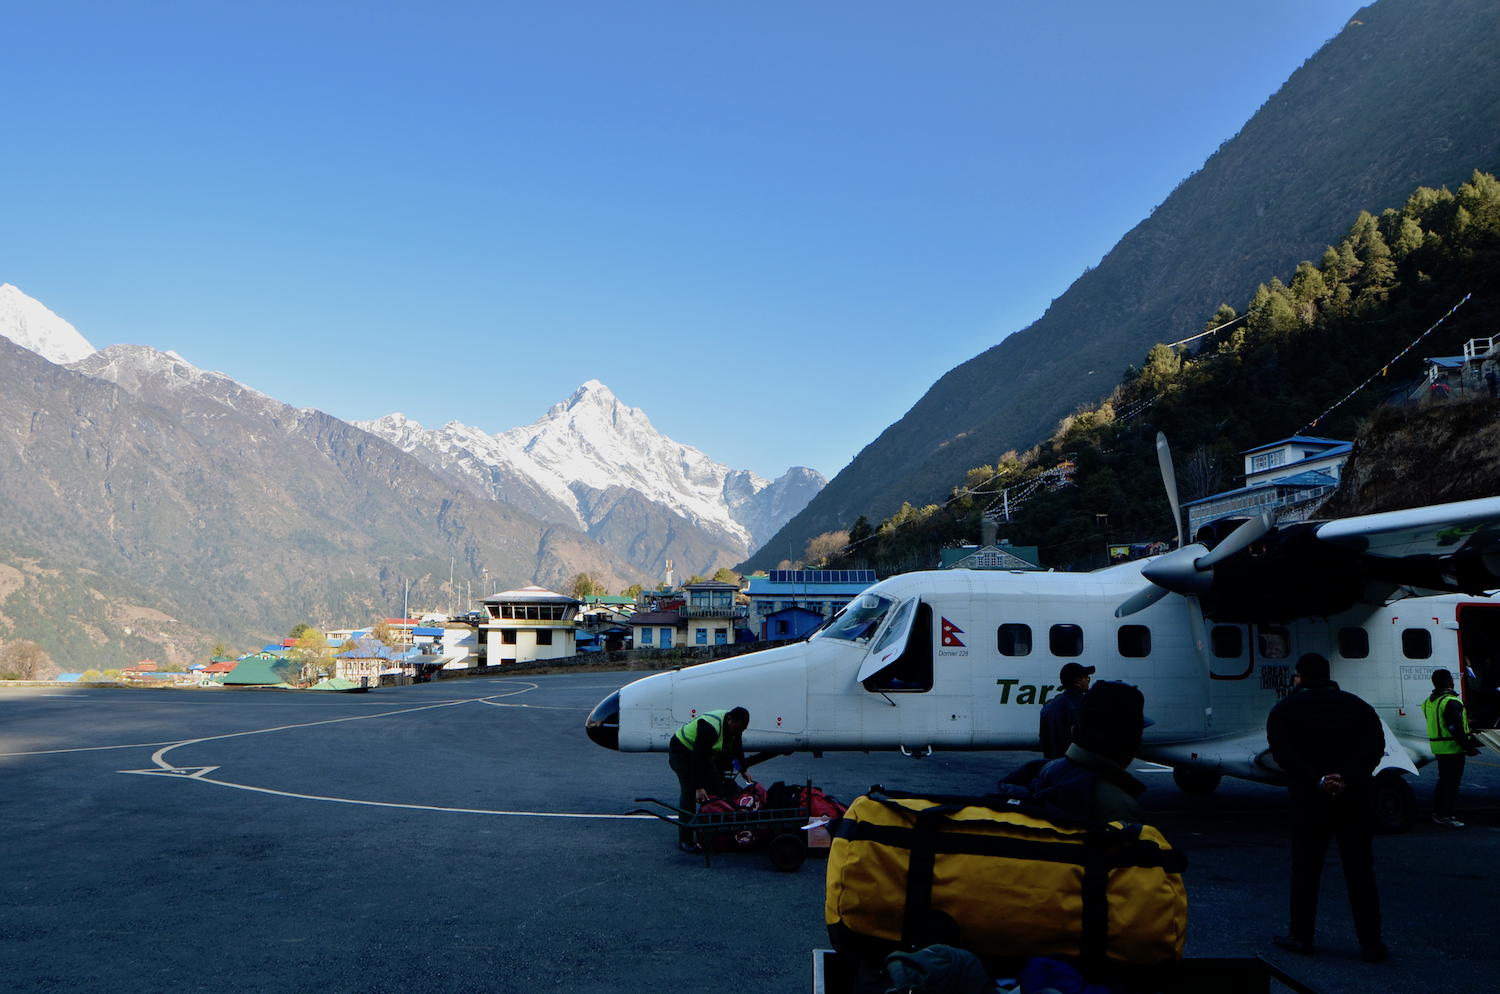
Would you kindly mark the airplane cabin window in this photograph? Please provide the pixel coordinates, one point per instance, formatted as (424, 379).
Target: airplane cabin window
(1066, 640)
(1228, 641)
(910, 672)
(1275, 643)
(1015, 640)
(1416, 643)
(1135, 641)
(1354, 643)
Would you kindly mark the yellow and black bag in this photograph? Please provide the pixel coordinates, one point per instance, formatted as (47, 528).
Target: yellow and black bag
(1018, 878)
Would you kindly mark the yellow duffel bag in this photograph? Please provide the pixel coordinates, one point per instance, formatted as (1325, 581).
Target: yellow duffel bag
(1016, 878)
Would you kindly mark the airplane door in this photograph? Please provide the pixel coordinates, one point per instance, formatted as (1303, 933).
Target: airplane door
(889, 666)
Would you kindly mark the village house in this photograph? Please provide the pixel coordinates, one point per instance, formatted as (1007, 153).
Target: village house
(824, 592)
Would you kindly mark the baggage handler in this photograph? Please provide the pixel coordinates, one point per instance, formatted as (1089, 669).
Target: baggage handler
(1091, 779)
(1329, 742)
(1448, 731)
(1060, 714)
(701, 754)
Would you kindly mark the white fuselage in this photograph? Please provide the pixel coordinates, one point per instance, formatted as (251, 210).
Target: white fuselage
(1209, 708)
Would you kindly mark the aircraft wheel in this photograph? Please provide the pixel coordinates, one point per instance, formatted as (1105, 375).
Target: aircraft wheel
(1395, 803)
(787, 852)
(1193, 781)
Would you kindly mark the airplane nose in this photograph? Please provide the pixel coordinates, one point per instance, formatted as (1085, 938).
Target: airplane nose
(603, 724)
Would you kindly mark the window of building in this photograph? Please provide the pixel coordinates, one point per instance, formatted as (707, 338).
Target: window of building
(1354, 643)
(544, 636)
(1015, 640)
(1066, 640)
(1267, 460)
(1228, 641)
(781, 628)
(646, 634)
(702, 634)
(1416, 643)
(1135, 641)
(721, 636)
(1275, 643)
(666, 638)
(765, 607)
(815, 606)
(508, 637)
(494, 610)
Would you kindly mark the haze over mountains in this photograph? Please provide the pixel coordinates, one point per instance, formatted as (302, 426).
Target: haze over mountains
(150, 508)
(1404, 95)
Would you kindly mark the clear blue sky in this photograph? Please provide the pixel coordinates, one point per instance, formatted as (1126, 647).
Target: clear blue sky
(771, 226)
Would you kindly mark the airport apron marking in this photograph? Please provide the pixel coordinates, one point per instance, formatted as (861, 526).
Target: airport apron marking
(200, 773)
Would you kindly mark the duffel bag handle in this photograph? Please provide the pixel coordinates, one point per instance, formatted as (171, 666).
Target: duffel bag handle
(1030, 805)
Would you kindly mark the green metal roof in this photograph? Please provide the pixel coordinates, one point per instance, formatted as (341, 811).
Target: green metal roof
(259, 670)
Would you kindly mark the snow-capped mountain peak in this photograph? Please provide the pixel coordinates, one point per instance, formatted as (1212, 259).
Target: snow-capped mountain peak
(29, 324)
(576, 462)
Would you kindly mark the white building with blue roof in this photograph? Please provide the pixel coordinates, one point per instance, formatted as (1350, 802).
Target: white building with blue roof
(1288, 475)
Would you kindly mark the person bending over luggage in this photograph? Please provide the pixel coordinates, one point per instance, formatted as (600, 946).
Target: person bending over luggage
(702, 753)
(1060, 714)
(1091, 778)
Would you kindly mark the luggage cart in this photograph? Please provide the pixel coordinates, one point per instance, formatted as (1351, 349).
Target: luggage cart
(788, 827)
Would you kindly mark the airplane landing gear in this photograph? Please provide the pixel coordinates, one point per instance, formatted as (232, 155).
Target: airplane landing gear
(1192, 781)
(1395, 803)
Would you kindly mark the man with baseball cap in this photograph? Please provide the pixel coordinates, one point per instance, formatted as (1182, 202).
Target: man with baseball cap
(1060, 714)
(1091, 779)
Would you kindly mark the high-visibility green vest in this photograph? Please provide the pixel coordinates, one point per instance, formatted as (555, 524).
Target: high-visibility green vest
(688, 734)
(1443, 743)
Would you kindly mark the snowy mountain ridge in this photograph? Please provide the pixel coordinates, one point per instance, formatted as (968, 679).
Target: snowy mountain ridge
(27, 322)
(585, 453)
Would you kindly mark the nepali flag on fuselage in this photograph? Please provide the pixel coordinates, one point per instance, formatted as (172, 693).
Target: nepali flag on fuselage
(951, 633)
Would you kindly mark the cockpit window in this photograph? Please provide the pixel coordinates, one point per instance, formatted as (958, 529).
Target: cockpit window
(858, 621)
(896, 627)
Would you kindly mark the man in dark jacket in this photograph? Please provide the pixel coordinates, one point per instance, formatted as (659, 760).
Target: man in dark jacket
(1448, 732)
(1329, 743)
(1060, 714)
(702, 753)
(1092, 778)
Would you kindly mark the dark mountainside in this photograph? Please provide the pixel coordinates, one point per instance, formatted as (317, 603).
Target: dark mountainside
(155, 520)
(1361, 320)
(1417, 456)
(1409, 96)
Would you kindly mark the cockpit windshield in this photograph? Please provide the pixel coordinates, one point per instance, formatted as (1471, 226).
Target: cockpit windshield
(858, 621)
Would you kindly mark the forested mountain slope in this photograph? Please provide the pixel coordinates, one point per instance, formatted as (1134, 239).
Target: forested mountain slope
(1405, 95)
(1316, 354)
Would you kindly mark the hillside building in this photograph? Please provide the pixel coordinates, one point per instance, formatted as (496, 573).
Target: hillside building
(822, 591)
(991, 553)
(527, 624)
(1287, 475)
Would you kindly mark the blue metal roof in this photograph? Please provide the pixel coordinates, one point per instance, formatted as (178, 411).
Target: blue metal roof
(1296, 440)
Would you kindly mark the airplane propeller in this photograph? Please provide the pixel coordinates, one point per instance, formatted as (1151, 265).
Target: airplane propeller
(1189, 570)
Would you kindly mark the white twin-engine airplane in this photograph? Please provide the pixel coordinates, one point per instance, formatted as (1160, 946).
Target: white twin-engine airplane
(964, 659)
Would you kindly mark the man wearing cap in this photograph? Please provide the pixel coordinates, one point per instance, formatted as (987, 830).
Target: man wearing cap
(1060, 714)
(1091, 778)
(1329, 742)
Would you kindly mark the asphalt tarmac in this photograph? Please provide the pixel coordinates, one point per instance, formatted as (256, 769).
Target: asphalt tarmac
(393, 841)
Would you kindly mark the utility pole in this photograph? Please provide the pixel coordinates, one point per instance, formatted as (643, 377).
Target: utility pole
(406, 603)
(450, 586)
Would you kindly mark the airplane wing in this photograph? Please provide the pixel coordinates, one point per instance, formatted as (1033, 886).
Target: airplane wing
(1314, 568)
(1443, 530)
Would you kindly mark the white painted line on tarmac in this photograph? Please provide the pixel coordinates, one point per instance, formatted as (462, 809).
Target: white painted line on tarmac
(163, 768)
(53, 752)
(196, 773)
